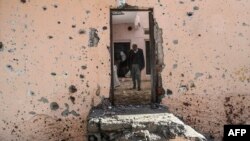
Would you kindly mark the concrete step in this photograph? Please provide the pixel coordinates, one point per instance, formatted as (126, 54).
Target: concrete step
(158, 126)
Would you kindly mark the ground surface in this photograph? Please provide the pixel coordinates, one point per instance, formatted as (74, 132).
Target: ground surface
(124, 95)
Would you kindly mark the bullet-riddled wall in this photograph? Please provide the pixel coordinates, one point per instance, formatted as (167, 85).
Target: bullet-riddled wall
(50, 77)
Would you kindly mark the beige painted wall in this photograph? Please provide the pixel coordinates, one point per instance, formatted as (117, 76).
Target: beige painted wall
(212, 53)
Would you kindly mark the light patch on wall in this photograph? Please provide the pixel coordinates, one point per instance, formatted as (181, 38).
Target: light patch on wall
(93, 37)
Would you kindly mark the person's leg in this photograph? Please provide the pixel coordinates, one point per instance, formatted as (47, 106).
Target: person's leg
(138, 76)
(133, 74)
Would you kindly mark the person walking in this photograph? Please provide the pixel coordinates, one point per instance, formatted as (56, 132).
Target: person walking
(136, 65)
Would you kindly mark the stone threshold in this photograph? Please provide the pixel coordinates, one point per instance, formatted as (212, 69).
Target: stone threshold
(138, 123)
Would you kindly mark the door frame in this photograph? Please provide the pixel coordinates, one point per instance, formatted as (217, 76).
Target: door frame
(152, 55)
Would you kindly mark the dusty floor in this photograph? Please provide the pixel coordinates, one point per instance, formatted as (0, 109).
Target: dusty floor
(124, 95)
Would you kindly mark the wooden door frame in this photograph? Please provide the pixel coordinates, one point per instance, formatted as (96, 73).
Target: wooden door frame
(152, 55)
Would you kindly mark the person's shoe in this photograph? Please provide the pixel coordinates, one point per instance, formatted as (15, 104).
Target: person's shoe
(139, 89)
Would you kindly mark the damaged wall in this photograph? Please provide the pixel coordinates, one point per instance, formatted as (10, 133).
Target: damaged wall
(51, 72)
(52, 67)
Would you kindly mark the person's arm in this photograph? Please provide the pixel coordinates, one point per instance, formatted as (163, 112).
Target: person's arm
(142, 60)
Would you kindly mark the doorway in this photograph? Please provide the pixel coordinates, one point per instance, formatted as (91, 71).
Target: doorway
(133, 74)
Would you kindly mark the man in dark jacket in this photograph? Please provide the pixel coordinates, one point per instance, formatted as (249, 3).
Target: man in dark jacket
(136, 64)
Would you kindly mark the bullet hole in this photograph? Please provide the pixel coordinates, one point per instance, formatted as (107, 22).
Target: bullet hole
(72, 89)
(55, 6)
(87, 11)
(32, 112)
(175, 42)
(182, 75)
(227, 99)
(199, 35)
(50, 37)
(245, 24)
(31, 93)
(58, 22)
(43, 99)
(54, 106)
(181, 2)
(53, 73)
(81, 31)
(223, 76)
(192, 85)
(93, 37)
(169, 92)
(175, 66)
(9, 67)
(84, 67)
(72, 99)
(196, 8)
(81, 76)
(98, 91)
(198, 74)
(210, 77)
(130, 28)
(186, 104)
(44, 8)
(190, 14)
(23, 1)
(183, 89)
(73, 26)
(66, 112)
(74, 113)
(104, 27)
(1, 46)
(70, 37)
(83, 22)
